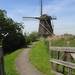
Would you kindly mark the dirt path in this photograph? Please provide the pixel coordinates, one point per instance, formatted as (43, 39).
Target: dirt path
(23, 64)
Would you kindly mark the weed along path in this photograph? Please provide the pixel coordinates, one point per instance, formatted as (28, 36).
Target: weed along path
(23, 64)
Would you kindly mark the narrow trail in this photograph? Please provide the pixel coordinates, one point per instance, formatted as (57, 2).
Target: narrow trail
(23, 64)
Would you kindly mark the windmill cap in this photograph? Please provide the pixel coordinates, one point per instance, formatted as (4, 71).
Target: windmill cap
(45, 16)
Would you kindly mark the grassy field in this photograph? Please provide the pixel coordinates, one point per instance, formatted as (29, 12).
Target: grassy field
(62, 40)
(40, 58)
(9, 62)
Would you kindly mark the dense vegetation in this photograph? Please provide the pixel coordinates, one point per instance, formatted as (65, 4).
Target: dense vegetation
(11, 35)
(32, 37)
(15, 42)
(40, 58)
(8, 26)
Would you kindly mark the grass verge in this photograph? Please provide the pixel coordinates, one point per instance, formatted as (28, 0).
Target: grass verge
(39, 57)
(9, 62)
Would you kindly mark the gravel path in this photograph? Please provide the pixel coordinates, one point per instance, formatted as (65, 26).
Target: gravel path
(23, 64)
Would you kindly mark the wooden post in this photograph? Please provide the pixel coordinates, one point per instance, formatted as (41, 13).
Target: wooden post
(51, 55)
(69, 59)
(50, 50)
(58, 55)
(64, 60)
(1, 62)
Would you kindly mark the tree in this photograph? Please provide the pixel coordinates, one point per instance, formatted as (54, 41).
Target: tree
(8, 26)
(32, 37)
(2, 22)
(10, 33)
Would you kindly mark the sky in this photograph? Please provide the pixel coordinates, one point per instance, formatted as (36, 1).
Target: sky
(63, 10)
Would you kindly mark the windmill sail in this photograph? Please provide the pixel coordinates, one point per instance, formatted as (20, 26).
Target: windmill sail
(31, 17)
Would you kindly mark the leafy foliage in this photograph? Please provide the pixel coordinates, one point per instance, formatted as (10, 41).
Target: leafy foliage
(11, 36)
(8, 26)
(32, 37)
(13, 42)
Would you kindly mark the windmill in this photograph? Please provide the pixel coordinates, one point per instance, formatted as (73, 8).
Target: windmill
(45, 26)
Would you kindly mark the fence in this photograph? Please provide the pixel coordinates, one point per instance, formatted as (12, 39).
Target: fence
(1, 62)
(64, 59)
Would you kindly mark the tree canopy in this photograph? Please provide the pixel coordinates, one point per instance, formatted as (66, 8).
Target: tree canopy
(11, 35)
(8, 26)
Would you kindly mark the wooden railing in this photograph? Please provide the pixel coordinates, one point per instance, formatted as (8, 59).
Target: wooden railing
(61, 60)
(1, 62)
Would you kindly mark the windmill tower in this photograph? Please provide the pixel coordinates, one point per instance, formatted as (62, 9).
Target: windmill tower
(45, 26)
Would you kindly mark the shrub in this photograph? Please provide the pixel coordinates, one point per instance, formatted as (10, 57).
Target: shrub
(32, 37)
(12, 42)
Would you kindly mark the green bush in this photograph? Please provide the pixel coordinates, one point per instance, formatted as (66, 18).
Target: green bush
(12, 42)
(32, 37)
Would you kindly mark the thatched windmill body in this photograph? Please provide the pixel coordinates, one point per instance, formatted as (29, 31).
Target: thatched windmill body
(45, 26)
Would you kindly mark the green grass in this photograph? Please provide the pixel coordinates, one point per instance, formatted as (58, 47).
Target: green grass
(39, 57)
(9, 62)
